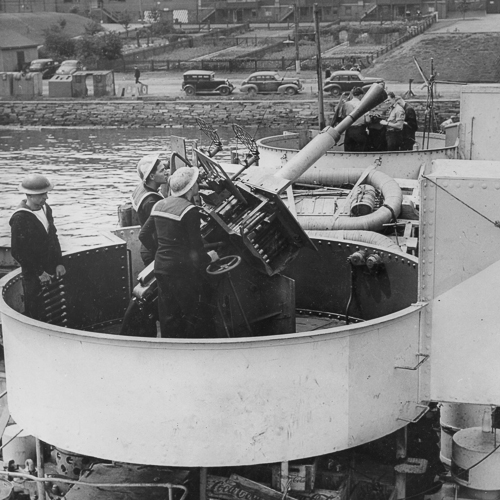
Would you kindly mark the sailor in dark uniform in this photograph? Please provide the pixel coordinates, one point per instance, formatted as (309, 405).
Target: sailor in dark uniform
(180, 260)
(34, 242)
(153, 173)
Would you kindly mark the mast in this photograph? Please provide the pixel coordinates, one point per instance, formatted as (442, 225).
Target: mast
(321, 109)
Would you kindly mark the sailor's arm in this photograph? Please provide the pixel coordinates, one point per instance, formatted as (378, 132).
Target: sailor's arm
(23, 244)
(147, 234)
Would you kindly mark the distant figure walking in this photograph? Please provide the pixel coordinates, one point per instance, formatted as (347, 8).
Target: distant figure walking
(328, 73)
(137, 74)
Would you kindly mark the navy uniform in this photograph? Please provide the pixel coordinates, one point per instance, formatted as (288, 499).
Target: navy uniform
(356, 136)
(35, 245)
(144, 199)
(180, 259)
(147, 194)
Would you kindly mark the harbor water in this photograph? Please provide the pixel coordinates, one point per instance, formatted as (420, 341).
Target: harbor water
(94, 172)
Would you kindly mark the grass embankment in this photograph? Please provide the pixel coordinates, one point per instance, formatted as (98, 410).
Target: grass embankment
(458, 57)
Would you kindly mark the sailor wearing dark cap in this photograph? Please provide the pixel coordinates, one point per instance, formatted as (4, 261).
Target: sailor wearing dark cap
(153, 173)
(180, 259)
(34, 242)
(356, 136)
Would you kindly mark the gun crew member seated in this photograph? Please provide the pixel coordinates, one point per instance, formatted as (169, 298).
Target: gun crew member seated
(394, 123)
(180, 260)
(153, 173)
(356, 136)
(34, 242)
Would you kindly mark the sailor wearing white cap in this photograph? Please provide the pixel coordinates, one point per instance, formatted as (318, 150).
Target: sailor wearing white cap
(180, 257)
(153, 173)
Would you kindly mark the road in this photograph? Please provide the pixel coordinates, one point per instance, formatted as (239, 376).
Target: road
(169, 85)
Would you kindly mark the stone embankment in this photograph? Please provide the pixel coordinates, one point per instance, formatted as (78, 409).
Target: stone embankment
(283, 114)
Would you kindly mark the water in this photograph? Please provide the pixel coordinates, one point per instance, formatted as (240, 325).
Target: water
(94, 172)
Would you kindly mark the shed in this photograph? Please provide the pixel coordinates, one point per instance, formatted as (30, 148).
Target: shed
(16, 50)
(101, 84)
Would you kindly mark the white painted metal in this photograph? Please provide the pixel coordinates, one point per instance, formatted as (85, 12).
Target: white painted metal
(455, 417)
(479, 131)
(130, 235)
(19, 445)
(211, 402)
(276, 151)
(459, 272)
(474, 450)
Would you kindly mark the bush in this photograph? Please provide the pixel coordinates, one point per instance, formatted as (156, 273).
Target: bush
(105, 46)
(58, 45)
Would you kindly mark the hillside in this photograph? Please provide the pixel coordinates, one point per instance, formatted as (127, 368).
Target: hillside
(459, 57)
(33, 25)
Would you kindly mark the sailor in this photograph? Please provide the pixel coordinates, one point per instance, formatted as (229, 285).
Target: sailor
(356, 136)
(180, 260)
(394, 123)
(153, 173)
(34, 242)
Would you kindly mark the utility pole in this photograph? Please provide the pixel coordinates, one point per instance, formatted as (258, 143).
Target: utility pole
(296, 14)
(319, 70)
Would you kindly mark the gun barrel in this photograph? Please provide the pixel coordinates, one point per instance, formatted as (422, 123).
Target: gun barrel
(328, 137)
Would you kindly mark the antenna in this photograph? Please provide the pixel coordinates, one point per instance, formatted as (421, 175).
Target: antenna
(430, 123)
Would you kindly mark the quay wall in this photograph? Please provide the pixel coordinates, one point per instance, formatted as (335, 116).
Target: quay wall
(283, 114)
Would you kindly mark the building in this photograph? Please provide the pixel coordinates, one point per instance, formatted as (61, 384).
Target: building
(15, 50)
(233, 11)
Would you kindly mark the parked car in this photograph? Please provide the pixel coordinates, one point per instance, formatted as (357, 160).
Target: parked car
(204, 82)
(47, 67)
(345, 81)
(265, 82)
(69, 67)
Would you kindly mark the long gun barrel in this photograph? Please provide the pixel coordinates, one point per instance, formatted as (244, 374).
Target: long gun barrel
(328, 137)
(255, 219)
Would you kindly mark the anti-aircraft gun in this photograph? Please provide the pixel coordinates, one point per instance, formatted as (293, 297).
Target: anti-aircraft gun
(257, 237)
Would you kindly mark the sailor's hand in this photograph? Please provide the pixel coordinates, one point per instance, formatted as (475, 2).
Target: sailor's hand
(213, 255)
(45, 278)
(383, 122)
(60, 271)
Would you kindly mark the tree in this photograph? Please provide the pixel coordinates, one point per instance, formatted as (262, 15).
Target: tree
(101, 46)
(463, 6)
(93, 27)
(58, 44)
(111, 46)
(125, 20)
(162, 27)
(154, 15)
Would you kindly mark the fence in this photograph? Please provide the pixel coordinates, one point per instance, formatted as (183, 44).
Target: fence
(250, 64)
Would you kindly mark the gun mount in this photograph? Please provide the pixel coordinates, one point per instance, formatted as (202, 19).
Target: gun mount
(253, 216)
(250, 221)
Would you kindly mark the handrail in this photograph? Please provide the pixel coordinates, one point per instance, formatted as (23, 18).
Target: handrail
(170, 486)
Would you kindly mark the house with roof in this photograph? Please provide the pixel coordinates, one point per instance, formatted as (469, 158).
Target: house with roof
(16, 50)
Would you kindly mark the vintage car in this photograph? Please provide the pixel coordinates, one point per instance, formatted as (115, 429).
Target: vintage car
(345, 81)
(265, 82)
(204, 82)
(47, 67)
(69, 67)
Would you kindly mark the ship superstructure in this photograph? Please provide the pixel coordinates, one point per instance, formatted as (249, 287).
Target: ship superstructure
(392, 333)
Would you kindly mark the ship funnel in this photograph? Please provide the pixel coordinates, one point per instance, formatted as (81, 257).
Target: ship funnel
(328, 137)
